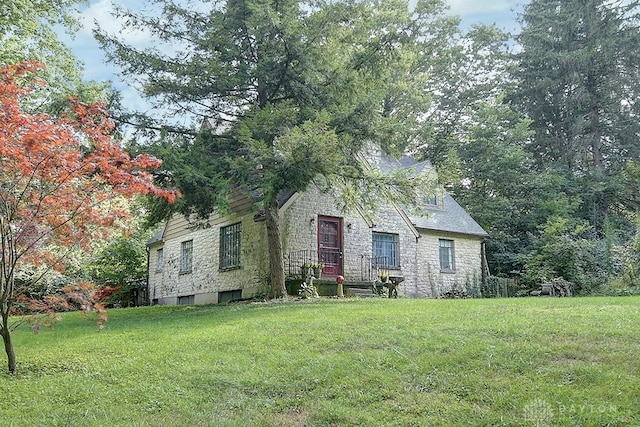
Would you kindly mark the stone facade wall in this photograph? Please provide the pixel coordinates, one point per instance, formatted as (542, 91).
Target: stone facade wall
(418, 252)
(419, 255)
(300, 229)
(206, 280)
(432, 281)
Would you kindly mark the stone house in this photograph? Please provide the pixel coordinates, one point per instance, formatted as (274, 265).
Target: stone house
(227, 259)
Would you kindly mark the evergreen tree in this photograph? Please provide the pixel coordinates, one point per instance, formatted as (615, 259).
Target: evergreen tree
(578, 82)
(289, 92)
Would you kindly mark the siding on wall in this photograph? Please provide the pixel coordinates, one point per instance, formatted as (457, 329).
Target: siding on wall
(180, 225)
(206, 280)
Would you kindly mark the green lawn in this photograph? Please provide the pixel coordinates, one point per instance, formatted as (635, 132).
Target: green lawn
(368, 362)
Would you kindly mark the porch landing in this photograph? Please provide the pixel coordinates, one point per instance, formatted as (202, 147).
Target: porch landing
(329, 287)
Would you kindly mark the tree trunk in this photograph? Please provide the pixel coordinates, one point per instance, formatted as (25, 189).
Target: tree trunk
(7, 264)
(596, 128)
(274, 238)
(8, 344)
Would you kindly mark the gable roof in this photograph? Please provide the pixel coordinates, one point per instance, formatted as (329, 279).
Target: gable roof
(157, 237)
(388, 163)
(448, 216)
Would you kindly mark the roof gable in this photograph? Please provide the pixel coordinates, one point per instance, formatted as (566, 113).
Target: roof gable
(447, 216)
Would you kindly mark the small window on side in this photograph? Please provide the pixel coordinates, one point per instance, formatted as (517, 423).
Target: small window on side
(186, 257)
(159, 259)
(447, 255)
(230, 246)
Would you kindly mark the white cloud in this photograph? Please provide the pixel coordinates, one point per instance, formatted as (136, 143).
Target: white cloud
(474, 7)
(100, 13)
(502, 13)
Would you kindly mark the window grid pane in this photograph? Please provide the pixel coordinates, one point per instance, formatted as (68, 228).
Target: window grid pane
(386, 245)
(159, 259)
(230, 239)
(186, 260)
(446, 255)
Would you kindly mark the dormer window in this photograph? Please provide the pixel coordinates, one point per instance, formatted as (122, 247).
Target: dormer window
(433, 201)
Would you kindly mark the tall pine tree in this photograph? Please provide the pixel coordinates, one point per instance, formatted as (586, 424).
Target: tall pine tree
(290, 91)
(578, 81)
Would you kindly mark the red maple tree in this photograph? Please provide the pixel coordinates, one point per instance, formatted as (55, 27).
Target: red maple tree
(60, 178)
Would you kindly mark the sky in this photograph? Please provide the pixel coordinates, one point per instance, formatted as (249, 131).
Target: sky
(500, 12)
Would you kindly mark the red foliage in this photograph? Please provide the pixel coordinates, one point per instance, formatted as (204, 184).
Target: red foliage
(60, 175)
(85, 297)
(107, 292)
(59, 180)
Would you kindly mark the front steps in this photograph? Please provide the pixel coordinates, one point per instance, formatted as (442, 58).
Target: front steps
(329, 287)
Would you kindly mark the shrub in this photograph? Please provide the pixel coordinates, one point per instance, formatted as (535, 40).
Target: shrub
(454, 293)
(571, 250)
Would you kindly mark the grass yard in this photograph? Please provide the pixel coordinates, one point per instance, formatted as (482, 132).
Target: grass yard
(367, 362)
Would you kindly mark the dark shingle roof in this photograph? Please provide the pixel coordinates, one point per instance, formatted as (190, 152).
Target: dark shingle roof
(448, 216)
(388, 163)
(157, 237)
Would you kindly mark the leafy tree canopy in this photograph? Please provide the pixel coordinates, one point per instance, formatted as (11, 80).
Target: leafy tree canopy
(289, 93)
(60, 182)
(28, 33)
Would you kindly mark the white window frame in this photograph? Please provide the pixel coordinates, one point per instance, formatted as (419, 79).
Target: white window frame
(159, 259)
(446, 252)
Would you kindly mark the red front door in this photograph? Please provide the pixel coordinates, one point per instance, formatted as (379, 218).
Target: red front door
(330, 245)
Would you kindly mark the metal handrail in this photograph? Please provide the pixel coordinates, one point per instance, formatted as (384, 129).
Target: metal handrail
(373, 268)
(300, 261)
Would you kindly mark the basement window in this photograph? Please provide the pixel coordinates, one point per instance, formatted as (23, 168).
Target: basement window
(187, 300)
(228, 296)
